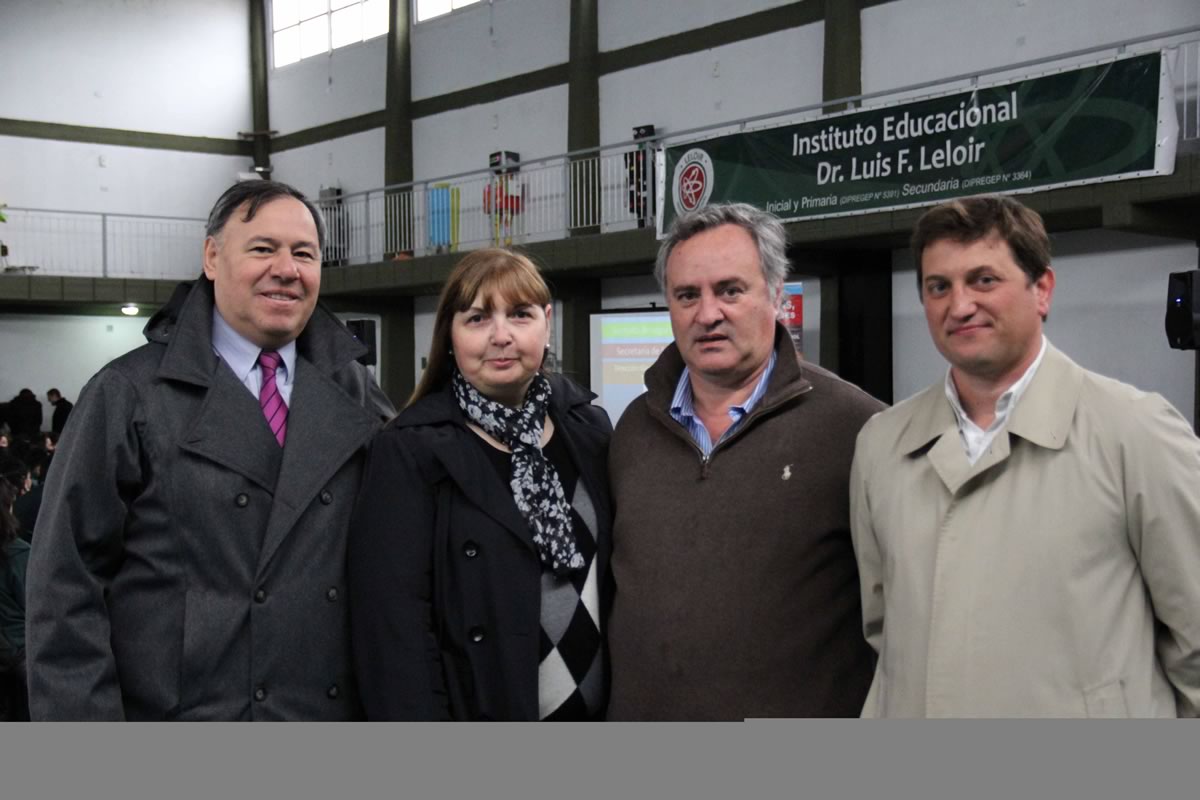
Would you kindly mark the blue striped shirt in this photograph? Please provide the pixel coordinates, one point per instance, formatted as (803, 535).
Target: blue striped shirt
(683, 410)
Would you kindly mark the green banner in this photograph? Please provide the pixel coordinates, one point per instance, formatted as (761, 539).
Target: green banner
(1097, 123)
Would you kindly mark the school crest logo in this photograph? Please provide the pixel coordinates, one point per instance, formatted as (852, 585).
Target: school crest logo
(693, 180)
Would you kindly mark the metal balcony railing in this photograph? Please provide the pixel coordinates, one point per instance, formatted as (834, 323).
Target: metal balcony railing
(74, 243)
(603, 189)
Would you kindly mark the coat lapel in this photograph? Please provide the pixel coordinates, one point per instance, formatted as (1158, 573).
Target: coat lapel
(477, 480)
(457, 449)
(1047, 408)
(230, 430)
(1042, 417)
(325, 429)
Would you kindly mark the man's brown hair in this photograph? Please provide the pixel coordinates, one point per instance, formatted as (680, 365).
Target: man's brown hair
(970, 219)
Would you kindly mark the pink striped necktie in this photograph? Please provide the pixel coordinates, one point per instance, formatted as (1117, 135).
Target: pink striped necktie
(269, 398)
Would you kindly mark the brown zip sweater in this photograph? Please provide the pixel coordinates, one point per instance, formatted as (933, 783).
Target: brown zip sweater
(737, 588)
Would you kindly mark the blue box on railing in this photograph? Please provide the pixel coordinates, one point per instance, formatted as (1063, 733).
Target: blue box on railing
(443, 201)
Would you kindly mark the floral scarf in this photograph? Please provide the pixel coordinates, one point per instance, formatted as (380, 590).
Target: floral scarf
(535, 485)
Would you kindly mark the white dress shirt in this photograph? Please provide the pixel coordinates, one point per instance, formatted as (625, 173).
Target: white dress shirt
(975, 439)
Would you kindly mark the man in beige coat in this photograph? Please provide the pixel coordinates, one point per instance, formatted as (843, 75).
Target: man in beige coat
(1027, 531)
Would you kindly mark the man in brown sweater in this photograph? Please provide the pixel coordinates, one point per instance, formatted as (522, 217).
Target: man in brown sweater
(737, 589)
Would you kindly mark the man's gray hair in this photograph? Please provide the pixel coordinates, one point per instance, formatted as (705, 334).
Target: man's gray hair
(764, 228)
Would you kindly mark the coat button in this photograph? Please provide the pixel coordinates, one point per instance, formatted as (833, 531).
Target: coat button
(332, 694)
(332, 594)
(470, 549)
(260, 596)
(326, 497)
(260, 694)
(242, 500)
(476, 633)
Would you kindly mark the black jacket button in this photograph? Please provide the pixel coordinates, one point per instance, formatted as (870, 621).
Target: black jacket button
(260, 596)
(470, 549)
(333, 692)
(260, 694)
(242, 500)
(332, 594)
(326, 497)
(476, 634)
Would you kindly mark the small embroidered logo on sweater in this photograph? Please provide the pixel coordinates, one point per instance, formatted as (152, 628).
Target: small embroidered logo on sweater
(787, 472)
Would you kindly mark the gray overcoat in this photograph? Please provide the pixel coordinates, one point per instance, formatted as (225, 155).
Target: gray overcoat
(184, 565)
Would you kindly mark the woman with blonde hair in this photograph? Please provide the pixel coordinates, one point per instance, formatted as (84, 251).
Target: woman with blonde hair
(478, 555)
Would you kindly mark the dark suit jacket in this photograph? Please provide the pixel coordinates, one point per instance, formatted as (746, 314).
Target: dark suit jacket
(184, 565)
(445, 579)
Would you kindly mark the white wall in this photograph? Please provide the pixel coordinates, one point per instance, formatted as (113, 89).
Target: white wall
(768, 73)
(909, 41)
(348, 82)
(532, 124)
(626, 22)
(1107, 314)
(43, 351)
(160, 66)
(354, 163)
(167, 66)
(487, 42)
(46, 174)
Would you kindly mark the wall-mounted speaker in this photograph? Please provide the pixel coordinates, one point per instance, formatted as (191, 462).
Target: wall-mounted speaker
(364, 331)
(1183, 309)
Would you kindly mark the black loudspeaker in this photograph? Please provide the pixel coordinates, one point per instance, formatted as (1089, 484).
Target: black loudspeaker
(1183, 309)
(364, 331)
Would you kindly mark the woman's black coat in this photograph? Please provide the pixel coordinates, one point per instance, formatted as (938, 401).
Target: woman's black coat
(444, 577)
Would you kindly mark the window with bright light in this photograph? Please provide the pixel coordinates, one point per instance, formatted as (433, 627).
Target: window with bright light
(304, 28)
(428, 9)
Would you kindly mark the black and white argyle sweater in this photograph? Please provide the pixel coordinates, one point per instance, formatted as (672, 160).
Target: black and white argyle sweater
(571, 667)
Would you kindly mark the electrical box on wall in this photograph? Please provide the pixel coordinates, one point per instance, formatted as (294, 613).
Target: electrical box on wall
(502, 162)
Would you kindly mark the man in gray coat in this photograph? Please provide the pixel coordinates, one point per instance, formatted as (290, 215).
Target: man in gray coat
(189, 561)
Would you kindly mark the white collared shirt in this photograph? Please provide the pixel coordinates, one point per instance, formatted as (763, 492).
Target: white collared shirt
(242, 357)
(975, 439)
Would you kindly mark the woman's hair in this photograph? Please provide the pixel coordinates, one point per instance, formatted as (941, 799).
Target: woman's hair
(491, 274)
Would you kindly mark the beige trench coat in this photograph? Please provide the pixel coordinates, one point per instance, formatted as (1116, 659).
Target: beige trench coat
(1057, 577)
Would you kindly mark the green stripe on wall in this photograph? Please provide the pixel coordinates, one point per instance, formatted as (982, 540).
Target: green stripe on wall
(729, 31)
(29, 129)
(332, 130)
(490, 92)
